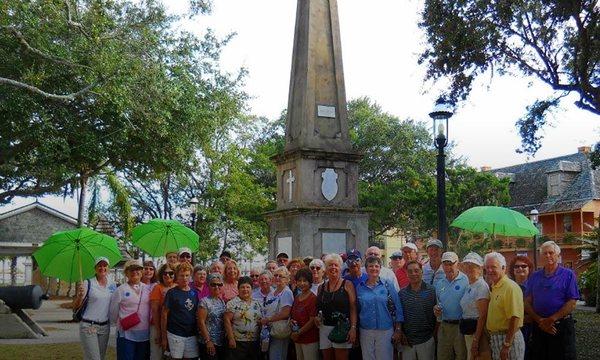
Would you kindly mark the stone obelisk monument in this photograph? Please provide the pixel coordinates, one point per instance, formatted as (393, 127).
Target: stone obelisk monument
(317, 201)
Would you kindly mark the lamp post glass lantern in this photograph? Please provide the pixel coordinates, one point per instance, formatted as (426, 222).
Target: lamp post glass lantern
(534, 215)
(442, 111)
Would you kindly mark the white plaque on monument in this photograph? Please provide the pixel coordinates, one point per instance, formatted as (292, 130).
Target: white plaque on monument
(326, 111)
(329, 186)
(334, 242)
(284, 244)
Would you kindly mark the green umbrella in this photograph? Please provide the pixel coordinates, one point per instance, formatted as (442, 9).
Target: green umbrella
(495, 220)
(71, 255)
(158, 237)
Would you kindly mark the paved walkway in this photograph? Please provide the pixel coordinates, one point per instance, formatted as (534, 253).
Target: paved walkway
(56, 321)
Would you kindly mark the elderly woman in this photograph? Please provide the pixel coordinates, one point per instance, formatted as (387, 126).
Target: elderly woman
(217, 267)
(199, 282)
(336, 300)
(210, 320)
(254, 275)
(519, 269)
(149, 274)
(133, 332)
(304, 310)
(94, 328)
(277, 308)
(474, 304)
(230, 285)
(380, 314)
(166, 276)
(242, 323)
(179, 315)
(293, 266)
(260, 294)
(317, 268)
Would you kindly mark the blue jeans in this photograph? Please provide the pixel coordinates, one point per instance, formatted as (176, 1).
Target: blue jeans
(132, 350)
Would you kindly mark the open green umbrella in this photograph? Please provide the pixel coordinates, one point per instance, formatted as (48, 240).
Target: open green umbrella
(70, 255)
(495, 220)
(158, 237)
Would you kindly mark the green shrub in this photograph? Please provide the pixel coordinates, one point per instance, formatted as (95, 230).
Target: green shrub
(588, 282)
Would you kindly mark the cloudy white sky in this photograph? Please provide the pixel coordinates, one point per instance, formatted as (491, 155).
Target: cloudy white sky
(381, 41)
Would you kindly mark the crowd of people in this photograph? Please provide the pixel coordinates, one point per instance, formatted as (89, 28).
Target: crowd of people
(340, 306)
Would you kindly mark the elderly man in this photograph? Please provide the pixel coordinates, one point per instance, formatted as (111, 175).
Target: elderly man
(505, 311)
(386, 273)
(550, 297)
(271, 265)
(354, 272)
(396, 261)
(449, 290)
(185, 255)
(432, 269)
(409, 253)
(418, 300)
(282, 259)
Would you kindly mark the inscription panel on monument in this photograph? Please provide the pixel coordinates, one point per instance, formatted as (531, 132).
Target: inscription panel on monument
(333, 242)
(326, 111)
(284, 244)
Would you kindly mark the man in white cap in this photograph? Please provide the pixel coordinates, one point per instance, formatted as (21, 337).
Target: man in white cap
(432, 269)
(449, 290)
(185, 255)
(409, 252)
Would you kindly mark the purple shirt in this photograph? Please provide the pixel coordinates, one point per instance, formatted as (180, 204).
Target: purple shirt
(550, 293)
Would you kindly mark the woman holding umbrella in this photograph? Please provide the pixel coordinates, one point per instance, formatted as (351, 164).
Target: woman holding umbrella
(94, 328)
(130, 310)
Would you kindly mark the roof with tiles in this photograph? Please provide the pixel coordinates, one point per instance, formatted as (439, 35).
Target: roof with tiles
(529, 184)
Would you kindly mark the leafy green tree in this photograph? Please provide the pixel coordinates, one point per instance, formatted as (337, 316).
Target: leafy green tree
(97, 84)
(555, 41)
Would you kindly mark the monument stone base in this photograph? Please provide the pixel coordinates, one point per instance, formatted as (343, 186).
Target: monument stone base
(313, 232)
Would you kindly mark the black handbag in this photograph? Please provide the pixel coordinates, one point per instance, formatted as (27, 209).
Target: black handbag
(467, 326)
(78, 313)
(339, 333)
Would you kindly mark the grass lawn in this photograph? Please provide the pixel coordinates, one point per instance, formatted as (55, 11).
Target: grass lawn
(47, 351)
(587, 329)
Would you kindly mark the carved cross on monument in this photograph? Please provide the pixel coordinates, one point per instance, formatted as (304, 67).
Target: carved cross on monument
(290, 181)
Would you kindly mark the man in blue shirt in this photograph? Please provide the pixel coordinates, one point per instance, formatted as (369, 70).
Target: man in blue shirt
(354, 272)
(449, 290)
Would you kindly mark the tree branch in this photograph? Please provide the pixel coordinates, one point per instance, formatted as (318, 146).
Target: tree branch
(38, 91)
(72, 23)
(40, 53)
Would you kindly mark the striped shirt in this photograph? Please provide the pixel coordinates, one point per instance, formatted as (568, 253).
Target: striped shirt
(419, 320)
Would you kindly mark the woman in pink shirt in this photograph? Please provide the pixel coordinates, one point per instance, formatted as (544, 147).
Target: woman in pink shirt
(199, 282)
(130, 298)
(230, 285)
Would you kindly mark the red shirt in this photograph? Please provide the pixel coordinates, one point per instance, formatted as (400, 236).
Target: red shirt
(402, 277)
(301, 312)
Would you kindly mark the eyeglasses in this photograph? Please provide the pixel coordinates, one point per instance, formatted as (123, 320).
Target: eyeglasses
(315, 268)
(520, 266)
(216, 285)
(169, 273)
(254, 276)
(185, 256)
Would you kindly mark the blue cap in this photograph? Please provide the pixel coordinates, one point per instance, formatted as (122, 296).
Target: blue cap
(354, 253)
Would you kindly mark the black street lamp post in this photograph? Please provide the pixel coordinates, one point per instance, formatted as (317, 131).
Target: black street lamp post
(442, 111)
(193, 204)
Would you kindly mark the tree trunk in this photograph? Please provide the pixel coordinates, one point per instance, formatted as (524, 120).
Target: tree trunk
(13, 271)
(83, 180)
(598, 271)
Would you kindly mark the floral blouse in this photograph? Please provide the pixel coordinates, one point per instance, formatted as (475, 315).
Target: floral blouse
(246, 318)
(215, 308)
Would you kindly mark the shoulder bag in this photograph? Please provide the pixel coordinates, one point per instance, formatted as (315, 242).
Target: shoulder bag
(78, 313)
(280, 329)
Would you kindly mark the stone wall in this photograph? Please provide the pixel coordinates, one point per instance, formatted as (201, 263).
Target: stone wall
(33, 226)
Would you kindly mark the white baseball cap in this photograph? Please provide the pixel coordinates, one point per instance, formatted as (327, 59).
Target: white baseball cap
(411, 246)
(184, 250)
(435, 242)
(473, 258)
(449, 256)
(135, 263)
(100, 259)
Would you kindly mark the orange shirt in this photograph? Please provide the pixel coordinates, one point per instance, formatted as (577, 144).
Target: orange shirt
(158, 294)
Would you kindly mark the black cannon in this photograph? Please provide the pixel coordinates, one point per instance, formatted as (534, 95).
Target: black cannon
(23, 297)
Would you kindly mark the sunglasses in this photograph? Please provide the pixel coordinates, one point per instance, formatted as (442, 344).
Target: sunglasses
(185, 256)
(520, 266)
(255, 276)
(315, 268)
(279, 276)
(396, 258)
(169, 273)
(216, 285)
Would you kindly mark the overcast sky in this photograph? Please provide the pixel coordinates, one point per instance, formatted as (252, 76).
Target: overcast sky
(381, 41)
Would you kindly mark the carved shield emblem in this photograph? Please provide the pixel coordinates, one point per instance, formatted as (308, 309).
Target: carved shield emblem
(329, 186)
